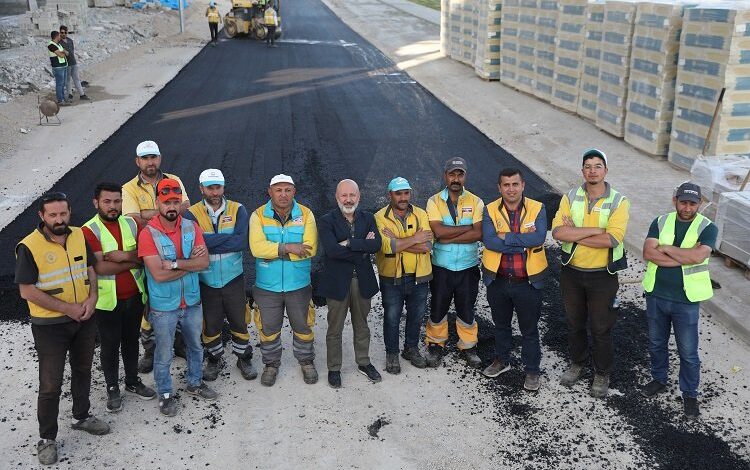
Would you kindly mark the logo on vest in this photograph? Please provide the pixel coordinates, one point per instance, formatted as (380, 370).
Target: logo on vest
(50, 257)
(226, 218)
(142, 198)
(467, 210)
(297, 220)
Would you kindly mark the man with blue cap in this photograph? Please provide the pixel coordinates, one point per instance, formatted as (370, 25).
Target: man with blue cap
(214, 18)
(405, 270)
(225, 227)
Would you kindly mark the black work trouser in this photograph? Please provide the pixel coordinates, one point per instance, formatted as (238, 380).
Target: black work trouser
(119, 331)
(271, 33)
(53, 343)
(226, 304)
(214, 27)
(588, 297)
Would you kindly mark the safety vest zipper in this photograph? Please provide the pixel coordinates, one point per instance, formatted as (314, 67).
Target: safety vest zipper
(72, 281)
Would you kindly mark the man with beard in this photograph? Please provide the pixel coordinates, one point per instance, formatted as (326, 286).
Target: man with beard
(514, 266)
(225, 225)
(404, 268)
(55, 275)
(174, 252)
(139, 202)
(456, 220)
(349, 236)
(677, 248)
(591, 224)
(122, 294)
(283, 239)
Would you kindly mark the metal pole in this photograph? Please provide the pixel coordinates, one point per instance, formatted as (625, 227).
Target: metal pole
(182, 21)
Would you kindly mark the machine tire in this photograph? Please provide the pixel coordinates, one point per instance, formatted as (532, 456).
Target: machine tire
(260, 32)
(230, 27)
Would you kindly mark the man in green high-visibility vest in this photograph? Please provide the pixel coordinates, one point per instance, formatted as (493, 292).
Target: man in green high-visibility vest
(677, 249)
(112, 238)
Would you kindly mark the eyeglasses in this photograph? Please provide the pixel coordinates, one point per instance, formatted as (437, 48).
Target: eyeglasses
(166, 191)
(54, 196)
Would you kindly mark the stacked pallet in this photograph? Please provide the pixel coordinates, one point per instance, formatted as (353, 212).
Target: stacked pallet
(614, 68)
(714, 51)
(544, 60)
(445, 27)
(470, 24)
(570, 36)
(509, 42)
(487, 61)
(526, 46)
(592, 54)
(455, 37)
(653, 70)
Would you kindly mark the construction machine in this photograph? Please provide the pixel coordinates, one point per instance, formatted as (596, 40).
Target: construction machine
(246, 18)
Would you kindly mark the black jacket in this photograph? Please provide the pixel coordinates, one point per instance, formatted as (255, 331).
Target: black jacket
(340, 261)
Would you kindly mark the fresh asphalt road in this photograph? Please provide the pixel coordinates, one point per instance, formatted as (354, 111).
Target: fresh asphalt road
(324, 106)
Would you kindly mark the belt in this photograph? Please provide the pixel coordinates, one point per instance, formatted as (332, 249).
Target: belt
(513, 279)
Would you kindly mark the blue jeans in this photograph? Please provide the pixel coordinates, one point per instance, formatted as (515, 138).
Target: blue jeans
(164, 325)
(504, 297)
(394, 297)
(61, 76)
(662, 315)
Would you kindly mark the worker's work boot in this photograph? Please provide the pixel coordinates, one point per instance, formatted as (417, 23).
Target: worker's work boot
(392, 365)
(246, 368)
(600, 386)
(471, 358)
(46, 451)
(212, 368)
(268, 377)
(434, 355)
(146, 362)
(571, 375)
(309, 374)
(415, 357)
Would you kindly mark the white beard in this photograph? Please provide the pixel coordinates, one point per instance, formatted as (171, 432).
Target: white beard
(347, 210)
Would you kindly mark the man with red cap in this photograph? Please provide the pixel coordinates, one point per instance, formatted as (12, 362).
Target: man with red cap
(173, 252)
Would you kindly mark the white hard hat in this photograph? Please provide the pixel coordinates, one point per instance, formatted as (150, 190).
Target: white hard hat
(147, 147)
(211, 176)
(282, 178)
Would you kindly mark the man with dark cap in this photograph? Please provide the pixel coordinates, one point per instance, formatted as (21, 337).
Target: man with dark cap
(677, 248)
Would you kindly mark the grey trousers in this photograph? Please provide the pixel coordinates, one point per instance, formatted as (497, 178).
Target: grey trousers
(73, 75)
(337, 310)
(301, 318)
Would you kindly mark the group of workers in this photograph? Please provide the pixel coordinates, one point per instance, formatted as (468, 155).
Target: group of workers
(148, 260)
(267, 9)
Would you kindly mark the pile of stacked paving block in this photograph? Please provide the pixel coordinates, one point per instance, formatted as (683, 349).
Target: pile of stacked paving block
(569, 39)
(592, 55)
(488, 55)
(509, 42)
(526, 46)
(40, 22)
(614, 67)
(544, 55)
(653, 71)
(714, 55)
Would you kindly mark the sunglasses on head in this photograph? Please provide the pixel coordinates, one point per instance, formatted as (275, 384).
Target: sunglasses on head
(54, 196)
(166, 191)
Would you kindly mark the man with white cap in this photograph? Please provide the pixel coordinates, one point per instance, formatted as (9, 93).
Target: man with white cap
(405, 270)
(225, 226)
(677, 248)
(283, 239)
(591, 224)
(139, 202)
(214, 18)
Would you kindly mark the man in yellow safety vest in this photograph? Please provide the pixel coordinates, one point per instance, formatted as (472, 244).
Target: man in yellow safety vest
(214, 18)
(677, 249)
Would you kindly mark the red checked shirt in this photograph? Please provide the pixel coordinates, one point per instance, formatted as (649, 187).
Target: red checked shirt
(513, 264)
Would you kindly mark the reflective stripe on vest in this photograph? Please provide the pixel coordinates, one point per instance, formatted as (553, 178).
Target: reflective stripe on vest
(578, 200)
(536, 259)
(63, 271)
(166, 296)
(456, 256)
(107, 286)
(695, 277)
(60, 60)
(283, 275)
(224, 267)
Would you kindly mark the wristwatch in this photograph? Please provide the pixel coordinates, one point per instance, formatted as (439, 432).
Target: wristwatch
(174, 265)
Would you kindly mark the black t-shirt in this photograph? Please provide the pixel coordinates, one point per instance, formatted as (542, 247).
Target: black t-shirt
(27, 271)
(55, 60)
(669, 284)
